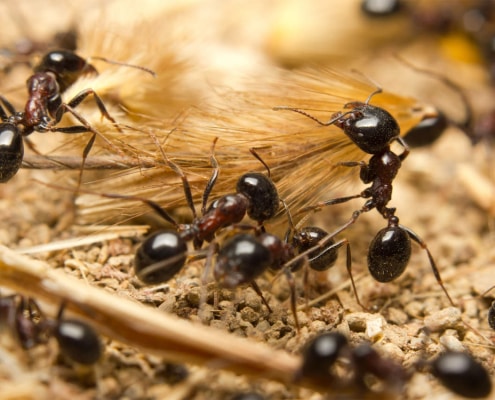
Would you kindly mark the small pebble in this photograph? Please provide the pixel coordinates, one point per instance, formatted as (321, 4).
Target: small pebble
(440, 320)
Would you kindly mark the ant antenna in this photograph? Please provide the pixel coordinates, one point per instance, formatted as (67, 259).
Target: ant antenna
(258, 157)
(467, 124)
(123, 64)
(336, 117)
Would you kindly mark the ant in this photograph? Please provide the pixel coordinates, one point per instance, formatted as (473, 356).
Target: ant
(44, 108)
(77, 340)
(163, 253)
(373, 129)
(457, 371)
(244, 257)
(322, 352)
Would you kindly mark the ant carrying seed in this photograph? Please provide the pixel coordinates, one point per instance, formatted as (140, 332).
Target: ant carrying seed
(373, 129)
(164, 253)
(44, 108)
(77, 340)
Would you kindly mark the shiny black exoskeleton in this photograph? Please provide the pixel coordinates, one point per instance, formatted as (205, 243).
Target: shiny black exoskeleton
(320, 354)
(462, 374)
(161, 246)
(77, 340)
(373, 129)
(44, 108)
(427, 131)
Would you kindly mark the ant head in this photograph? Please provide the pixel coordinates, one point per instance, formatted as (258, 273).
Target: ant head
(66, 65)
(262, 195)
(307, 238)
(371, 128)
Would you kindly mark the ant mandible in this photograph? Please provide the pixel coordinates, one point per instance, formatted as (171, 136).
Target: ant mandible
(44, 108)
(373, 129)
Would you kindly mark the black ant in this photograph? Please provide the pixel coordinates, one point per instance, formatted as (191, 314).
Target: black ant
(457, 371)
(373, 129)
(163, 253)
(244, 257)
(77, 340)
(44, 108)
(322, 352)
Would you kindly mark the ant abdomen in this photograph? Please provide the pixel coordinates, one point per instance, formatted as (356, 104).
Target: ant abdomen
(462, 374)
(241, 260)
(318, 259)
(78, 341)
(389, 254)
(160, 257)
(11, 151)
(262, 194)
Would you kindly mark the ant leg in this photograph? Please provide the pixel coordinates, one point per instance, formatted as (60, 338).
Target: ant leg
(8, 105)
(78, 99)
(293, 305)
(85, 127)
(434, 267)
(213, 177)
(257, 289)
(318, 206)
(349, 271)
(185, 182)
(8, 310)
(212, 249)
(406, 151)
